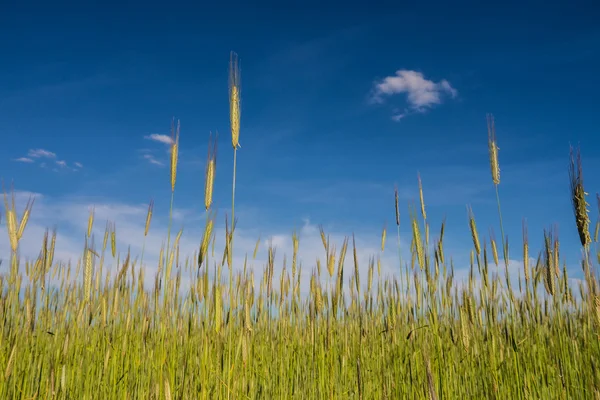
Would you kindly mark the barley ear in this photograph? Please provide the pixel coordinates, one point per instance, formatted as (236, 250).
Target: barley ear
(174, 152)
(211, 165)
(25, 218)
(148, 217)
(493, 150)
(582, 219)
(234, 99)
(90, 222)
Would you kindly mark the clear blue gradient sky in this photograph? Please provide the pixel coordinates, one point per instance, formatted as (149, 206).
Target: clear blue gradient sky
(340, 102)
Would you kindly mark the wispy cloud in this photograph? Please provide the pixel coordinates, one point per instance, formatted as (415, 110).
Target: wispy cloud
(157, 137)
(41, 153)
(150, 158)
(24, 159)
(421, 93)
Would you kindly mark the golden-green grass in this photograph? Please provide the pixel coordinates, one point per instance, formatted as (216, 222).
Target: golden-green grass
(420, 334)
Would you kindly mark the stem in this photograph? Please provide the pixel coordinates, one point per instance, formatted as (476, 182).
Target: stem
(504, 249)
(233, 197)
(400, 261)
(166, 259)
(231, 266)
(142, 257)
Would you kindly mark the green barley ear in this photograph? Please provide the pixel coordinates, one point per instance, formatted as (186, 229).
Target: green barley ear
(474, 233)
(493, 150)
(578, 193)
(234, 99)
(211, 167)
(174, 152)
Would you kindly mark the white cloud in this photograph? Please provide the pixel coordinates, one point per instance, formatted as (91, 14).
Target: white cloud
(24, 159)
(37, 153)
(61, 163)
(150, 158)
(79, 165)
(421, 93)
(159, 138)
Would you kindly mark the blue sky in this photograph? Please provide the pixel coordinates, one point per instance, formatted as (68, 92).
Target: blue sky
(339, 104)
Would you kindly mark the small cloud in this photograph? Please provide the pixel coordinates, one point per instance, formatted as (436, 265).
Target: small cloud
(160, 138)
(61, 163)
(150, 158)
(421, 93)
(79, 165)
(43, 165)
(24, 159)
(39, 153)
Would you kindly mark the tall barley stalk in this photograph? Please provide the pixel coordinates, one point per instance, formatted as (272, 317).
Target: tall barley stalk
(234, 118)
(495, 169)
(173, 175)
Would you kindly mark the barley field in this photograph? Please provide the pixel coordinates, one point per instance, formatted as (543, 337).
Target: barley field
(91, 328)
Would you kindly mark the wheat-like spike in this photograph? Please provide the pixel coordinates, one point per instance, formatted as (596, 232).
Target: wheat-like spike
(177, 239)
(229, 253)
(25, 218)
(148, 217)
(383, 236)
(421, 200)
(90, 222)
(430, 381)
(87, 279)
(549, 261)
(167, 389)
(323, 238)
(205, 241)
(418, 242)
(396, 206)
(474, 234)
(465, 335)
(494, 248)
(342, 256)
(211, 168)
(11, 225)
(556, 253)
(331, 261)
(582, 219)
(11, 361)
(106, 233)
(493, 150)
(174, 152)
(50, 252)
(356, 274)
(234, 99)
(256, 248)
(295, 245)
(208, 188)
(113, 240)
(525, 253)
